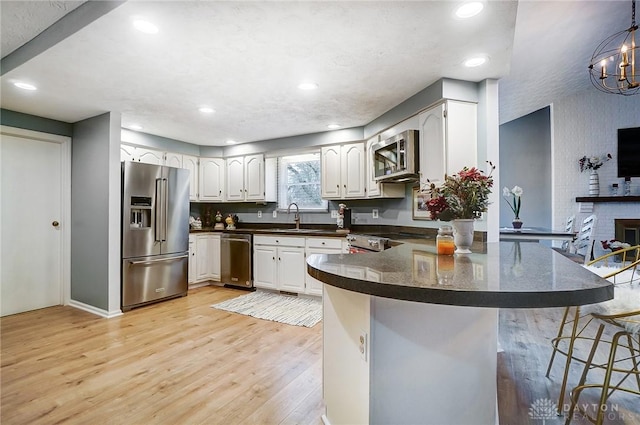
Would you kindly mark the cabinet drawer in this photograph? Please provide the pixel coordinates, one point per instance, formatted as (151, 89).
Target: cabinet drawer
(278, 240)
(324, 243)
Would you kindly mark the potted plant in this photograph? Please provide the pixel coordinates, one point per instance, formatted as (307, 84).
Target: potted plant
(513, 200)
(461, 199)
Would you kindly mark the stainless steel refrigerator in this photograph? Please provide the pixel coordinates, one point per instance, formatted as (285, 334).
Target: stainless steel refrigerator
(155, 233)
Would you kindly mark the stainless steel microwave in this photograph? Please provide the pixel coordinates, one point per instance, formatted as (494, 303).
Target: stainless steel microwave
(396, 158)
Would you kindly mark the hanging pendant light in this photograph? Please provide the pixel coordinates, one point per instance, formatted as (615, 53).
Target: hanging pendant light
(612, 68)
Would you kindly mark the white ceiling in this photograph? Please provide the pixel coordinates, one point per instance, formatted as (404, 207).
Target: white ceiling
(245, 59)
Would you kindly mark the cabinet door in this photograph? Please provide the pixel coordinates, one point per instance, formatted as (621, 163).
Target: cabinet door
(353, 171)
(312, 285)
(173, 159)
(330, 165)
(214, 257)
(432, 144)
(254, 177)
(127, 153)
(202, 258)
(191, 163)
(264, 266)
(193, 261)
(149, 156)
(373, 187)
(291, 269)
(211, 182)
(235, 179)
(462, 134)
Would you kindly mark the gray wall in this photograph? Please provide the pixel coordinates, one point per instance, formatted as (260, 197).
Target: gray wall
(90, 210)
(32, 122)
(525, 161)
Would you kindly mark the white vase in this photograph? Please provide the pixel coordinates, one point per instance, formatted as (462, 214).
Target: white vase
(594, 184)
(463, 235)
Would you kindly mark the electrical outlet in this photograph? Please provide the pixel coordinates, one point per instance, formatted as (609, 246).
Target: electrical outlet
(374, 213)
(362, 345)
(275, 214)
(334, 213)
(259, 214)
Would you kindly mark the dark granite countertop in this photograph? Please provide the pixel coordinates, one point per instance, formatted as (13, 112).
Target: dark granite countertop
(503, 275)
(278, 231)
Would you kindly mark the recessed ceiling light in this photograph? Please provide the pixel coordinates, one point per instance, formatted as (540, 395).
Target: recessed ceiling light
(469, 9)
(25, 86)
(145, 26)
(333, 126)
(231, 142)
(206, 110)
(135, 127)
(475, 61)
(307, 86)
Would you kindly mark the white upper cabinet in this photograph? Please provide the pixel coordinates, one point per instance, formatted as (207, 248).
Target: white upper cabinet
(245, 178)
(149, 156)
(127, 153)
(191, 163)
(172, 159)
(344, 171)
(138, 154)
(448, 139)
(254, 178)
(212, 177)
(235, 179)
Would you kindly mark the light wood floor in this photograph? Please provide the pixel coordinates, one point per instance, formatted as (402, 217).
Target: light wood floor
(182, 362)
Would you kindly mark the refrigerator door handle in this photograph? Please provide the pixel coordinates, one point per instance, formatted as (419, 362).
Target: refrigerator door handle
(165, 208)
(158, 260)
(161, 210)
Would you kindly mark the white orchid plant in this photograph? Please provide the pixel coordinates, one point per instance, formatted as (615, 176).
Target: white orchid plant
(513, 199)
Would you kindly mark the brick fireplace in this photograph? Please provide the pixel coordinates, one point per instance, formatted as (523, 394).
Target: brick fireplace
(628, 230)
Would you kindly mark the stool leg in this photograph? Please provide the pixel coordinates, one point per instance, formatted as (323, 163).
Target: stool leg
(575, 394)
(607, 377)
(557, 339)
(567, 364)
(634, 359)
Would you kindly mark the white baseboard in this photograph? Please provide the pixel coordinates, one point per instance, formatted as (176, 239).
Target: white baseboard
(94, 310)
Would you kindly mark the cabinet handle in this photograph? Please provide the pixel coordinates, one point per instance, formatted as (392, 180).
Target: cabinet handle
(279, 259)
(338, 186)
(220, 192)
(322, 243)
(345, 186)
(273, 258)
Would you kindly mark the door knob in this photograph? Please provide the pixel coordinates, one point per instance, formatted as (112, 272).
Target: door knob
(55, 224)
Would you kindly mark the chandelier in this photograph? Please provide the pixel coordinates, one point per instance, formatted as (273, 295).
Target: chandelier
(612, 68)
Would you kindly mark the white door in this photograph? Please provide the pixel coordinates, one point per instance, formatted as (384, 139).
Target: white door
(264, 266)
(31, 230)
(191, 163)
(149, 156)
(173, 159)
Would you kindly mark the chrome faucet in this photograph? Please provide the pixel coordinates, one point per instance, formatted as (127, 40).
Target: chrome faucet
(297, 216)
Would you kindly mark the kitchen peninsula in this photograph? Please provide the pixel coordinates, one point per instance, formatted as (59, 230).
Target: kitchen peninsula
(411, 337)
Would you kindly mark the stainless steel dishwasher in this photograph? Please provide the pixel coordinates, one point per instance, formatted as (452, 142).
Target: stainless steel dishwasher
(235, 260)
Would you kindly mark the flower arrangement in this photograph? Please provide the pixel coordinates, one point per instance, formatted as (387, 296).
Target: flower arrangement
(515, 202)
(593, 163)
(464, 195)
(614, 245)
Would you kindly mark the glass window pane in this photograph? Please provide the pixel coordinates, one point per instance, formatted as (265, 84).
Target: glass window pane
(299, 182)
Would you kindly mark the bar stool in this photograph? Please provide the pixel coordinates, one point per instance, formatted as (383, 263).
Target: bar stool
(578, 317)
(627, 327)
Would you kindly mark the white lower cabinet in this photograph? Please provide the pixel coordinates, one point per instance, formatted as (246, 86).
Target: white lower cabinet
(207, 264)
(319, 246)
(279, 263)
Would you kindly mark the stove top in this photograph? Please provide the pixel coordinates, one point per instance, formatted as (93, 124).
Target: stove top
(369, 242)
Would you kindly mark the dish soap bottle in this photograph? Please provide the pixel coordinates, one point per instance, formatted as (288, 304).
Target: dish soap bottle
(444, 241)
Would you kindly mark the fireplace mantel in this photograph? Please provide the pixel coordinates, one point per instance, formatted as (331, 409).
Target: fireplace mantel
(608, 199)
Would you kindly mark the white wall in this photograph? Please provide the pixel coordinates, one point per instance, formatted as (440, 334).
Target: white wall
(587, 124)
